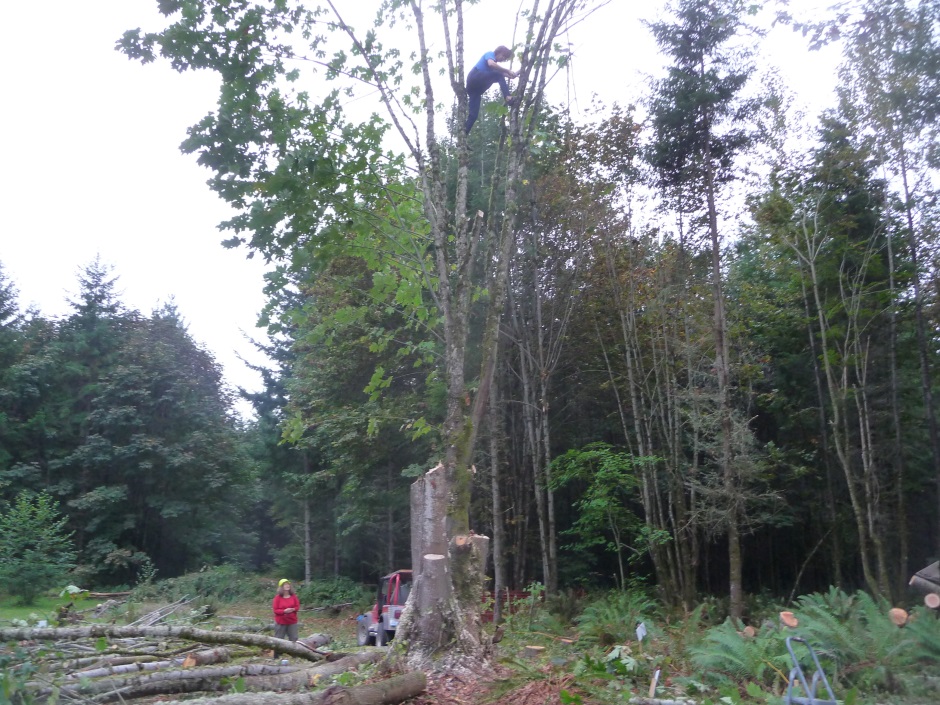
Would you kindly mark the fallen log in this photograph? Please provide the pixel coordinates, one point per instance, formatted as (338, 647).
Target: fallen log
(255, 678)
(392, 690)
(178, 681)
(199, 658)
(189, 633)
(96, 661)
(310, 676)
(334, 608)
(152, 618)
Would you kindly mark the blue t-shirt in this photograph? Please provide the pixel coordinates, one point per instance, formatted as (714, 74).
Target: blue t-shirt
(481, 65)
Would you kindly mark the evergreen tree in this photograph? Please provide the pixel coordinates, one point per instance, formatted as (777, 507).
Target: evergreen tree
(699, 124)
(35, 547)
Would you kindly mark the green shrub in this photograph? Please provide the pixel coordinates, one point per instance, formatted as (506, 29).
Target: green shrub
(16, 670)
(225, 583)
(855, 640)
(613, 618)
(35, 550)
(724, 657)
(566, 606)
(334, 591)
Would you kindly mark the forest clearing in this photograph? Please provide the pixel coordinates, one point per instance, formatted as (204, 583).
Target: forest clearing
(576, 648)
(663, 372)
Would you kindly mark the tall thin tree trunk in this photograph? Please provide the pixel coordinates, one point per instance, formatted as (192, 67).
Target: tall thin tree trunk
(723, 372)
(835, 543)
(499, 562)
(308, 543)
(926, 381)
(900, 520)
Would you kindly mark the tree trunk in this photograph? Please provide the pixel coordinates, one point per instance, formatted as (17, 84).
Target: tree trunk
(923, 350)
(188, 633)
(392, 690)
(499, 563)
(448, 575)
(308, 543)
(200, 658)
(723, 373)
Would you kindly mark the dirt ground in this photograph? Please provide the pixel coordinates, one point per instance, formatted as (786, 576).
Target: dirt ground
(455, 690)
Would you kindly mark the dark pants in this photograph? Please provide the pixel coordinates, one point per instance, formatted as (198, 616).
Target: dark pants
(286, 631)
(477, 84)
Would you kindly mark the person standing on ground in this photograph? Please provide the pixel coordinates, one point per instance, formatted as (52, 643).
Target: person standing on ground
(484, 74)
(286, 605)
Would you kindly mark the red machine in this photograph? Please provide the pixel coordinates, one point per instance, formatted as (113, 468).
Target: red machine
(378, 626)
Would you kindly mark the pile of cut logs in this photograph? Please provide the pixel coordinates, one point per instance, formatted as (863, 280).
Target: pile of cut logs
(106, 663)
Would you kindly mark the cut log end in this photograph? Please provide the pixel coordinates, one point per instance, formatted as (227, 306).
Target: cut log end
(898, 616)
(932, 600)
(788, 619)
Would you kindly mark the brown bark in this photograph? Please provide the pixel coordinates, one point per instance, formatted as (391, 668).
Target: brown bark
(448, 577)
(187, 633)
(926, 586)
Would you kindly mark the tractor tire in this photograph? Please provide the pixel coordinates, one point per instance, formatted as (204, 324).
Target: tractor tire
(363, 638)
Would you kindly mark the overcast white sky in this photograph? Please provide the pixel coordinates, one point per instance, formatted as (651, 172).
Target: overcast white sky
(91, 161)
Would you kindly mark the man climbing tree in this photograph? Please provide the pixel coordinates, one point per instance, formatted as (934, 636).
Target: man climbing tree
(305, 181)
(484, 74)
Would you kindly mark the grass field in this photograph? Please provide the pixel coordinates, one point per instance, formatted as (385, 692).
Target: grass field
(45, 607)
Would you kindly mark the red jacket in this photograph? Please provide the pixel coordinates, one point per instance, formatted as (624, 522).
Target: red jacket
(280, 604)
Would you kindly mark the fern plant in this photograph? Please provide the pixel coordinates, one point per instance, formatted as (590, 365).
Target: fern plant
(726, 657)
(613, 618)
(856, 641)
(924, 629)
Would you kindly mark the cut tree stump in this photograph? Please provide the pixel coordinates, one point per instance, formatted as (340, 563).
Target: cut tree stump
(788, 619)
(898, 616)
(533, 651)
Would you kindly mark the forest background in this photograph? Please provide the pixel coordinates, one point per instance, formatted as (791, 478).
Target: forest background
(624, 442)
